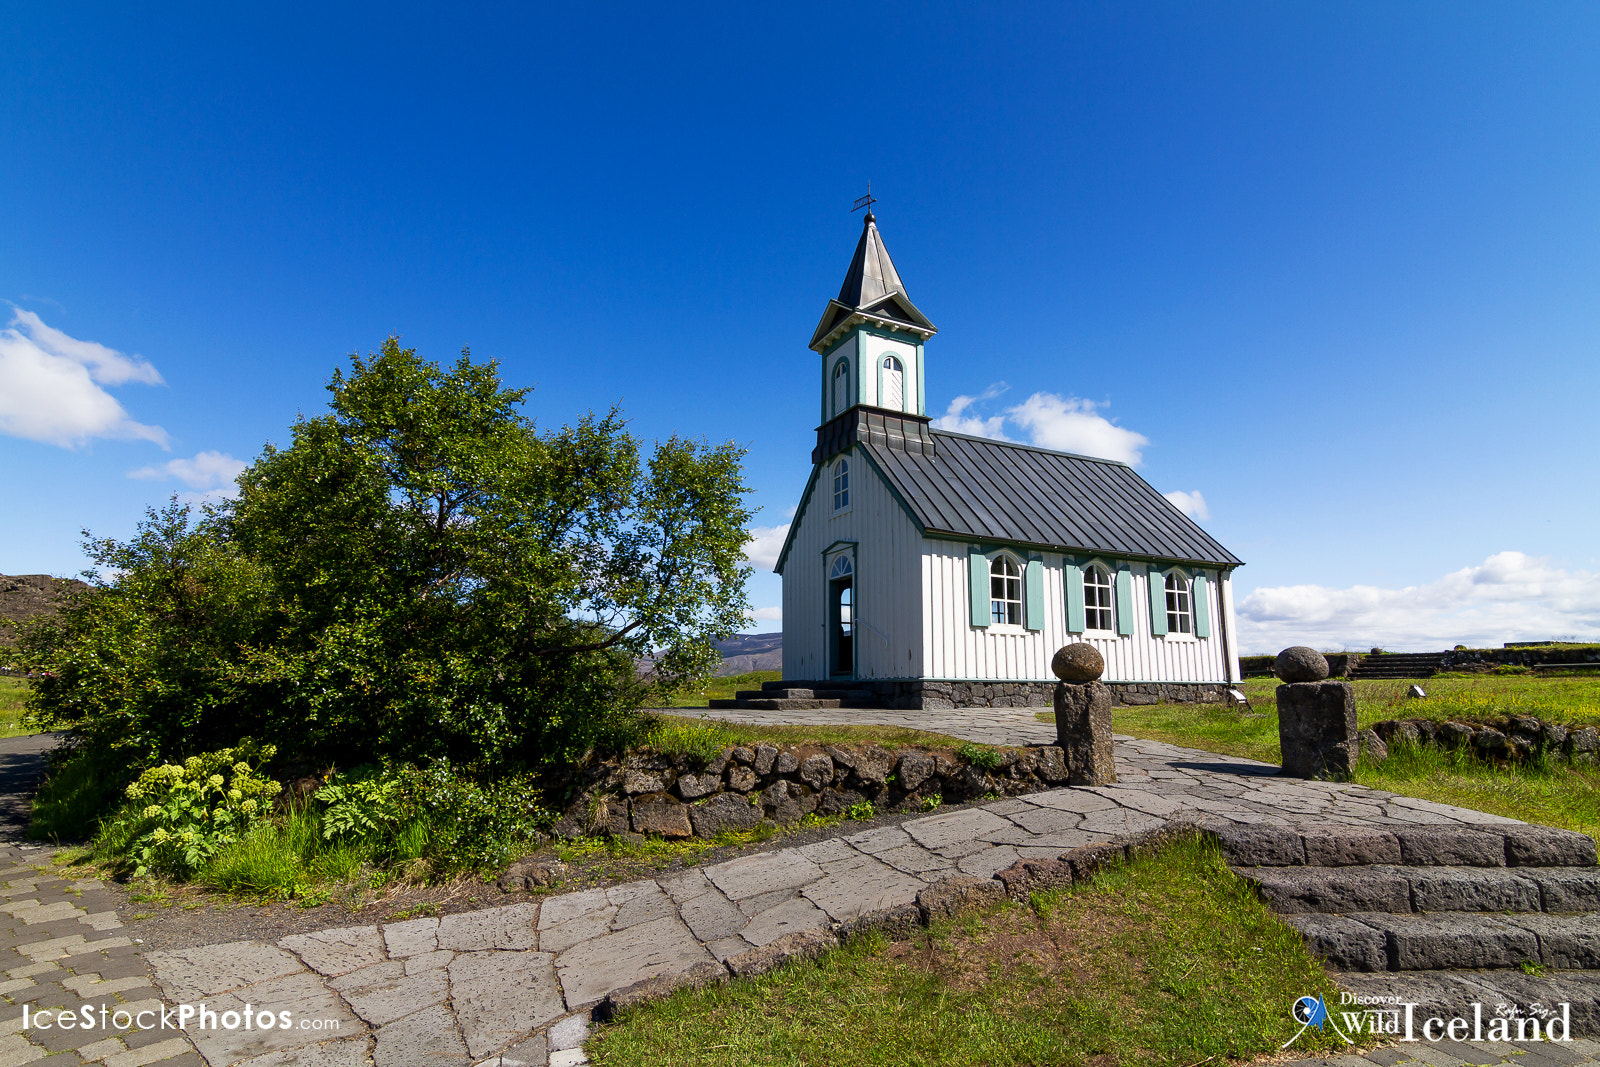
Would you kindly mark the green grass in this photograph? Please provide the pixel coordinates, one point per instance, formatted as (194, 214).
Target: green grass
(679, 735)
(13, 691)
(723, 688)
(1553, 795)
(1169, 960)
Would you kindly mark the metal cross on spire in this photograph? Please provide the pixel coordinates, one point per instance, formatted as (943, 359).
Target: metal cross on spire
(865, 201)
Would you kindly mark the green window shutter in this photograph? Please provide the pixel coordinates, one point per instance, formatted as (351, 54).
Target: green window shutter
(1072, 574)
(1202, 612)
(1158, 602)
(1033, 594)
(1124, 600)
(978, 568)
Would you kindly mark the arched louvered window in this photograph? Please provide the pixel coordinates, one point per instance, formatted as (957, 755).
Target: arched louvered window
(894, 385)
(1098, 596)
(841, 386)
(1180, 617)
(1005, 591)
(841, 484)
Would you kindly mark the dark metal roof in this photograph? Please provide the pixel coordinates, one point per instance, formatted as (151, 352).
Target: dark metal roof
(978, 489)
(871, 276)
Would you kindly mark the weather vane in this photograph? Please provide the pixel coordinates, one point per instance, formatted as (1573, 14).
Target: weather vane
(865, 201)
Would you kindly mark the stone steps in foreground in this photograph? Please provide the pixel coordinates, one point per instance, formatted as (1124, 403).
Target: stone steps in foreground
(1399, 889)
(1383, 941)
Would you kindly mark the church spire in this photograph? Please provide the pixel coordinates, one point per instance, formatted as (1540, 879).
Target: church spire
(871, 276)
(872, 294)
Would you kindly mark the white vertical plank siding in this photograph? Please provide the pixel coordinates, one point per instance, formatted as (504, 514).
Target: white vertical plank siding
(887, 587)
(957, 650)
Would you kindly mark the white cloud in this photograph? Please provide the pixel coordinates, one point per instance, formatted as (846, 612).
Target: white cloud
(767, 615)
(955, 421)
(50, 387)
(1069, 424)
(1064, 423)
(1509, 597)
(764, 545)
(212, 473)
(1191, 504)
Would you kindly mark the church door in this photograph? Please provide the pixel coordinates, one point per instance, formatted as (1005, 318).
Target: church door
(841, 628)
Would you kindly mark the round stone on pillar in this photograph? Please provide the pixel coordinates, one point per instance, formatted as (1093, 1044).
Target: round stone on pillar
(1316, 718)
(1083, 715)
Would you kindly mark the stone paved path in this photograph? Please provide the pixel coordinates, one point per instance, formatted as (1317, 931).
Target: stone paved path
(517, 984)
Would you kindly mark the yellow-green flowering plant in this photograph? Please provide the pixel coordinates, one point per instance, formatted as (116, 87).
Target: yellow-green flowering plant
(185, 813)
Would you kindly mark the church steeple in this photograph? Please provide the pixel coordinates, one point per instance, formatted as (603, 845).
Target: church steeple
(870, 337)
(872, 292)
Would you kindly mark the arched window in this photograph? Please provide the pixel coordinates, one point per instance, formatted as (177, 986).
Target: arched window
(841, 484)
(1005, 591)
(841, 386)
(1097, 598)
(1179, 616)
(894, 385)
(842, 567)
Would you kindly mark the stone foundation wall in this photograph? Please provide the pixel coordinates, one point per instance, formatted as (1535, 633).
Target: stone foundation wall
(936, 696)
(1504, 741)
(674, 796)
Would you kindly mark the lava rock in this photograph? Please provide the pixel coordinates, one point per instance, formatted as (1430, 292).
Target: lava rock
(661, 814)
(1300, 664)
(1317, 729)
(725, 811)
(1373, 749)
(1083, 730)
(816, 771)
(1078, 662)
(914, 769)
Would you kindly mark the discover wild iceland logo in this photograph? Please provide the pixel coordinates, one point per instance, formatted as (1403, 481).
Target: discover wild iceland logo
(1392, 1018)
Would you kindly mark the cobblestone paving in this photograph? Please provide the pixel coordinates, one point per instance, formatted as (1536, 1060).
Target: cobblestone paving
(517, 984)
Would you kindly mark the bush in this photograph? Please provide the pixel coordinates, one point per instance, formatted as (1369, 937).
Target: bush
(1511, 668)
(473, 825)
(179, 817)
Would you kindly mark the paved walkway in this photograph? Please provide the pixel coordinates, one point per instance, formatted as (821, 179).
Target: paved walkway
(518, 984)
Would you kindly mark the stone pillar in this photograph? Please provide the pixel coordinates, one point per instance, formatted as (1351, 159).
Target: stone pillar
(1083, 715)
(1316, 718)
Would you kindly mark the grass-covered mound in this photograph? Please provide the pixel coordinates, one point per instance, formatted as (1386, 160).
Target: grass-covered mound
(1169, 960)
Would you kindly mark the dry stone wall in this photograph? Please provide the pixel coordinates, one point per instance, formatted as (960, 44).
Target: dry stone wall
(1511, 740)
(938, 696)
(676, 797)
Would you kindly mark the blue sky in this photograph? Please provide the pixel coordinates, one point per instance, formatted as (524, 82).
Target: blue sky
(1337, 265)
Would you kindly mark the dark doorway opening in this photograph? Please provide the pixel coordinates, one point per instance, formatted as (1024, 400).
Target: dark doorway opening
(842, 626)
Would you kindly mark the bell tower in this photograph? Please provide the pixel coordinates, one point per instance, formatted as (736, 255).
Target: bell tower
(870, 338)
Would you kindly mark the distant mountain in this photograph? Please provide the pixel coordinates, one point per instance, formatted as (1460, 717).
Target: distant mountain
(743, 653)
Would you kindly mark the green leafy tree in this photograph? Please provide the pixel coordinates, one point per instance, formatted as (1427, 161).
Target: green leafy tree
(421, 573)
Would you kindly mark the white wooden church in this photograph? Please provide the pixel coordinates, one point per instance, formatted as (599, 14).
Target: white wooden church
(939, 569)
